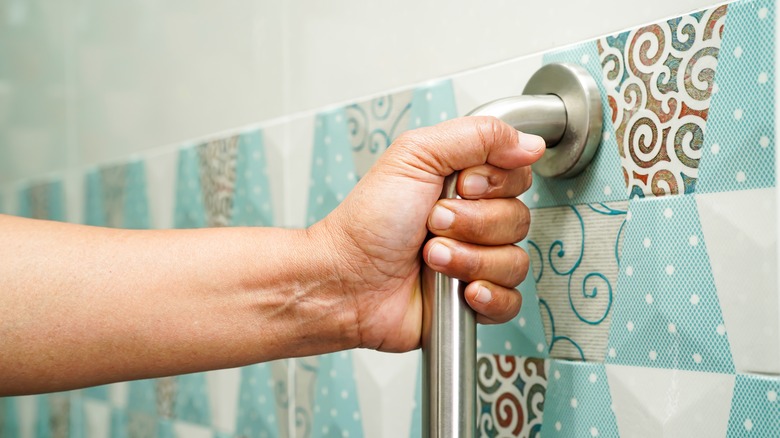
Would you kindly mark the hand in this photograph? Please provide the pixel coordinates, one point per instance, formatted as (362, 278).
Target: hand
(377, 233)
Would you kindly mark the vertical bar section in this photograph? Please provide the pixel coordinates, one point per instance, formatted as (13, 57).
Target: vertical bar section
(449, 353)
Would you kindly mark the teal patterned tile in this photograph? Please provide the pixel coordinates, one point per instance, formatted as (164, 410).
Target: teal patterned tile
(602, 179)
(575, 253)
(739, 147)
(116, 196)
(755, 410)
(578, 401)
(119, 423)
(252, 203)
(522, 336)
(336, 410)
(10, 426)
(667, 312)
(333, 170)
(191, 400)
(189, 210)
(510, 395)
(432, 103)
(43, 201)
(659, 79)
(256, 406)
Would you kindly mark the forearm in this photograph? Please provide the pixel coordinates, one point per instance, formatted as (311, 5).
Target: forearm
(84, 306)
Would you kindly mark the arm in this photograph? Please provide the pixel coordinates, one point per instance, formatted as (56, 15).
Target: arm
(84, 306)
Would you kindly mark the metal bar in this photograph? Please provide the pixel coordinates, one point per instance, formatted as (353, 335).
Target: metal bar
(449, 339)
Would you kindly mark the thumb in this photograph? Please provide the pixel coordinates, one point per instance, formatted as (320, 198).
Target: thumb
(467, 142)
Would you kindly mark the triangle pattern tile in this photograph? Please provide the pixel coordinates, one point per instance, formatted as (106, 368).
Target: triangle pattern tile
(741, 235)
(522, 336)
(669, 403)
(602, 179)
(385, 389)
(755, 410)
(191, 399)
(252, 203)
(333, 170)
(578, 402)
(510, 395)
(374, 124)
(43, 201)
(217, 160)
(575, 252)
(667, 312)
(336, 408)
(659, 79)
(256, 406)
(739, 148)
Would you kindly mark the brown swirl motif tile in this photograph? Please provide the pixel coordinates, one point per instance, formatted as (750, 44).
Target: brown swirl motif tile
(218, 179)
(510, 393)
(659, 80)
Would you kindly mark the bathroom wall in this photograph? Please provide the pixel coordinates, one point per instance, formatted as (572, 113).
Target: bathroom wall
(651, 308)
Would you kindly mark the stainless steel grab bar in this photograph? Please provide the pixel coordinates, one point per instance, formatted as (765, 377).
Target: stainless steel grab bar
(562, 104)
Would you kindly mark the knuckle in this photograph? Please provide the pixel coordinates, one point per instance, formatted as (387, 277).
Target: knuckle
(522, 220)
(519, 266)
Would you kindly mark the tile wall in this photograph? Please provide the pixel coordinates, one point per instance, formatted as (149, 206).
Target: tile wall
(651, 308)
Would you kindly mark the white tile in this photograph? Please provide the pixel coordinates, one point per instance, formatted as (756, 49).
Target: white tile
(118, 394)
(97, 415)
(670, 403)
(298, 170)
(477, 87)
(190, 430)
(161, 171)
(223, 387)
(740, 234)
(386, 387)
(275, 139)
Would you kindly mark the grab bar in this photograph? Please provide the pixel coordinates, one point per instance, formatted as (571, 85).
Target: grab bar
(562, 104)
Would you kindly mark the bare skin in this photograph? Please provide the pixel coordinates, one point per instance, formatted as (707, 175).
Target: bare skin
(85, 306)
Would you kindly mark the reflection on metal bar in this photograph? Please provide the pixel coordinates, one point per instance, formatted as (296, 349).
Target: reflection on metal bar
(563, 106)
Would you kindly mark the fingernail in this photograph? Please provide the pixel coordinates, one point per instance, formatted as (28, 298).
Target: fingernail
(530, 142)
(475, 185)
(439, 255)
(483, 295)
(441, 218)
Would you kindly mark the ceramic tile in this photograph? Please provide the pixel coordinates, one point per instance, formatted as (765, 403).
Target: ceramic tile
(739, 146)
(97, 419)
(669, 403)
(740, 231)
(755, 410)
(191, 399)
(304, 393)
(386, 389)
(524, 335)
(336, 408)
(45, 200)
(224, 182)
(116, 196)
(601, 181)
(510, 395)
(659, 80)
(578, 401)
(161, 170)
(374, 124)
(667, 313)
(258, 396)
(574, 253)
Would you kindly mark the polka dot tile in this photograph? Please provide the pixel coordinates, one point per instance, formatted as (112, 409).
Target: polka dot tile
(417, 405)
(142, 397)
(432, 103)
(739, 147)
(332, 169)
(165, 429)
(252, 203)
(755, 409)
(10, 417)
(602, 180)
(192, 401)
(119, 423)
(335, 398)
(678, 328)
(578, 401)
(77, 427)
(257, 403)
(136, 201)
(94, 213)
(189, 210)
(116, 196)
(524, 335)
